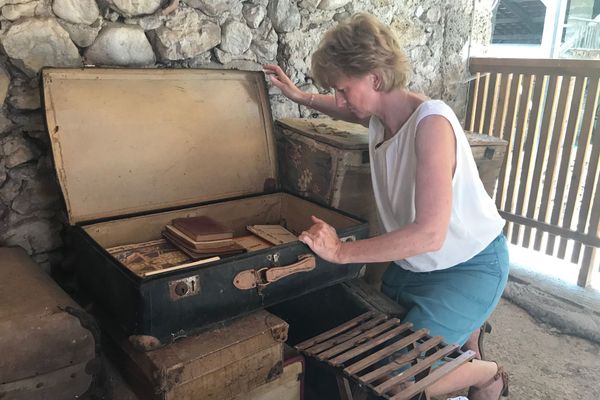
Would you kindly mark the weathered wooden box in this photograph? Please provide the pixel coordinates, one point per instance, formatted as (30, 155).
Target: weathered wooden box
(328, 161)
(135, 149)
(288, 386)
(488, 152)
(219, 364)
(47, 351)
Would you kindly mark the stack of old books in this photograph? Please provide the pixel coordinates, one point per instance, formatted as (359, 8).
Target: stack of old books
(201, 237)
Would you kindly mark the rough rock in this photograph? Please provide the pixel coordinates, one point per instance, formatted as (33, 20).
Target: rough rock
(3, 2)
(282, 107)
(35, 235)
(265, 42)
(148, 23)
(82, 35)
(33, 43)
(13, 12)
(215, 8)
(24, 98)
(265, 46)
(186, 35)
(120, 44)
(24, 172)
(309, 5)
(30, 122)
(242, 65)
(235, 38)
(18, 150)
(76, 11)
(5, 124)
(254, 14)
(200, 60)
(341, 16)
(284, 15)
(4, 84)
(225, 57)
(132, 8)
(332, 4)
(36, 195)
(296, 48)
(434, 14)
(3, 174)
(9, 190)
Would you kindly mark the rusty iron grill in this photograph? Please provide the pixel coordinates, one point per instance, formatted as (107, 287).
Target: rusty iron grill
(384, 355)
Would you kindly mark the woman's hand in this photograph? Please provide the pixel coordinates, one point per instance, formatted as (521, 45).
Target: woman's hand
(323, 240)
(283, 82)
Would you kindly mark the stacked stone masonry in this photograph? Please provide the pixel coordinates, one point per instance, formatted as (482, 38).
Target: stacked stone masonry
(231, 34)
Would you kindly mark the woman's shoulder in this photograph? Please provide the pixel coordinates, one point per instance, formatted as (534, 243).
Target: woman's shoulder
(435, 107)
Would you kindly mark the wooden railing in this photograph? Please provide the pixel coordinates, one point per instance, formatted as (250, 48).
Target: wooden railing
(548, 189)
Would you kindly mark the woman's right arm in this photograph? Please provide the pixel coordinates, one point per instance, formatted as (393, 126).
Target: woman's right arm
(320, 102)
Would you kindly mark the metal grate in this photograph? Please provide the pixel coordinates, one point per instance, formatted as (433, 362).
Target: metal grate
(371, 347)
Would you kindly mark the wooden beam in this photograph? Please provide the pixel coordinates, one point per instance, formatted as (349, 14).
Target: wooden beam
(542, 66)
(585, 239)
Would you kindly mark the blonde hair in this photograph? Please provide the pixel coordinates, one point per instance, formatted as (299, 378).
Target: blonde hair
(359, 46)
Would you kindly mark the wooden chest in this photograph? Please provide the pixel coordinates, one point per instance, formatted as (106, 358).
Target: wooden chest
(219, 364)
(328, 161)
(488, 152)
(135, 149)
(47, 350)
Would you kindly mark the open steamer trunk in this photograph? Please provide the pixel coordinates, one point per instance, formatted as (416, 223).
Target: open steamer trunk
(135, 149)
(173, 303)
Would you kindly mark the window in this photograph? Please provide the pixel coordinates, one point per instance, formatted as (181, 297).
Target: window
(526, 28)
(519, 22)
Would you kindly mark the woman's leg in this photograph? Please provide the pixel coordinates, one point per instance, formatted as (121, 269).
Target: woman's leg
(472, 343)
(453, 303)
(476, 373)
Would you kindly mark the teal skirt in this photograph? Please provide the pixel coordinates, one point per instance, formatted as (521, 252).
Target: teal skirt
(452, 302)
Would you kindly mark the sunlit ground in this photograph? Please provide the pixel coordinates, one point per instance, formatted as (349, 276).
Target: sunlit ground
(551, 266)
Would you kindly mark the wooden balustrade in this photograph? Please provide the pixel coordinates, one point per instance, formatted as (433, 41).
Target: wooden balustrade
(548, 189)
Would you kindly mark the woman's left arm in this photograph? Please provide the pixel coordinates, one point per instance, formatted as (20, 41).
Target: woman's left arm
(435, 146)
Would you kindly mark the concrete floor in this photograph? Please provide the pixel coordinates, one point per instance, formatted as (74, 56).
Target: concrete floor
(543, 363)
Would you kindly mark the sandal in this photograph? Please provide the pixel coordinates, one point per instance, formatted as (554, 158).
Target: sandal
(486, 327)
(500, 374)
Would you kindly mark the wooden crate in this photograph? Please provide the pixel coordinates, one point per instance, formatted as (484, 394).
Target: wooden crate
(327, 161)
(488, 152)
(218, 364)
(289, 386)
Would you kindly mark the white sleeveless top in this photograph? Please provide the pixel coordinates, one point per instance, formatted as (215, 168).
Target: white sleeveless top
(474, 221)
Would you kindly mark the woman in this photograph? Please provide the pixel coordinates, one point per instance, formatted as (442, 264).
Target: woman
(443, 231)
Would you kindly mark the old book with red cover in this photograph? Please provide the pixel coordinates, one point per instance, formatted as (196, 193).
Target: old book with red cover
(205, 244)
(222, 250)
(202, 228)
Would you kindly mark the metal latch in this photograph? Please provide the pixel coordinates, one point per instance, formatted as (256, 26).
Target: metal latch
(185, 287)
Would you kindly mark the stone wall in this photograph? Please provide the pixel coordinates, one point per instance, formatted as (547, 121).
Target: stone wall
(188, 34)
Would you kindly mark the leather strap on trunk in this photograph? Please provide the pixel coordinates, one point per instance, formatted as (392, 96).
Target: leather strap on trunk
(252, 278)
